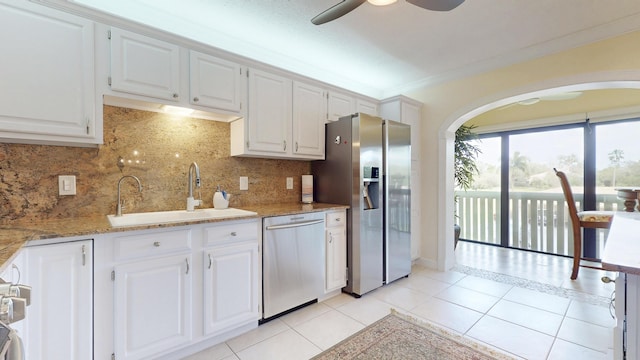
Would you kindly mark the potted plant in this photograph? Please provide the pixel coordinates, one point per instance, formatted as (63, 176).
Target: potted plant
(464, 164)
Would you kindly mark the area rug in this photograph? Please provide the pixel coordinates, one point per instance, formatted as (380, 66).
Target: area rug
(400, 337)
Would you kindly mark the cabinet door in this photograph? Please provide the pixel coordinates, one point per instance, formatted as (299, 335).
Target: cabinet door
(153, 302)
(340, 105)
(309, 114)
(144, 66)
(60, 317)
(367, 107)
(215, 82)
(336, 242)
(231, 287)
(269, 113)
(47, 91)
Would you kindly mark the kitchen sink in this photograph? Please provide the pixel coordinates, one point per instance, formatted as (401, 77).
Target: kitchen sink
(166, 217)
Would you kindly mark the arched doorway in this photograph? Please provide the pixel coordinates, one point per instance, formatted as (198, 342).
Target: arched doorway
(584, 82)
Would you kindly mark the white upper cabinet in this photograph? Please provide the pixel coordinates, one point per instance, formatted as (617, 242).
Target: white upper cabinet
(367, 107)
(47, 91)
(269, 112)
(215, 82)
(145, 72)
(144, 66)
(343, 104)
(340, 104)
(406, 111)
(285, 119)
(309, 114)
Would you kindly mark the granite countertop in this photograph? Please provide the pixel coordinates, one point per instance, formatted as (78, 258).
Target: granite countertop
(14, 235)
(622, 249)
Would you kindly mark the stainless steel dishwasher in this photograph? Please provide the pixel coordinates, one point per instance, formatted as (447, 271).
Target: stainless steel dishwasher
(293, 258)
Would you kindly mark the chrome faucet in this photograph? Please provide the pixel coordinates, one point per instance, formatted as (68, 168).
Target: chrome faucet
(191, 202)
(119, 206)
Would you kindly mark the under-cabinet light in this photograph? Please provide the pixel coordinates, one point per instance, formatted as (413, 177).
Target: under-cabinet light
(381, 2)
(176, 110)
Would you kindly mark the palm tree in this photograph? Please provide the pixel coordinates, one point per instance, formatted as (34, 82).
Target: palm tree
(464, 164)
(615, 158)
(466, 152)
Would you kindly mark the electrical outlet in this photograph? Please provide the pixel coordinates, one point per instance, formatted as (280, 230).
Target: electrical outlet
(66, 185)
(289, 183)
(244, 183)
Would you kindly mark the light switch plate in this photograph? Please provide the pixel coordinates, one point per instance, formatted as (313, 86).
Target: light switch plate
(289, 183)
(244, 183)
(66, 185)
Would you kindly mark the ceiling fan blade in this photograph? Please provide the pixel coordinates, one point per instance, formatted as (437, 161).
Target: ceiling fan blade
(336, 11)
(437, 5)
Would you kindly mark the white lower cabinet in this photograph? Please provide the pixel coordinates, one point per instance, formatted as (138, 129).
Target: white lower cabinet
(231, 281)
(165, 293)
(336, 250)
(152, 306)
(59, 321)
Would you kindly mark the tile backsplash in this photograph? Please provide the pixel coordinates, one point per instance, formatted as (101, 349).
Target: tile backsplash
(158, 149)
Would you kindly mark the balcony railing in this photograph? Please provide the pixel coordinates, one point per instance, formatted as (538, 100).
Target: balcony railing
(537, 221)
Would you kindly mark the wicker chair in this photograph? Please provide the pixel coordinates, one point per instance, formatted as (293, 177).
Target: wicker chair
(579, 220)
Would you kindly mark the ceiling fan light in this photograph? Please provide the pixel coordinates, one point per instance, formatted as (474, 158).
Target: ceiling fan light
(381, 2)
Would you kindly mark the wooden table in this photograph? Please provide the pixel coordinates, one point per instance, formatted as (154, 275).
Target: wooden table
(630, 195)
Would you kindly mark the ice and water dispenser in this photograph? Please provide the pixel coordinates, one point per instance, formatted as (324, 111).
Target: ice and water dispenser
(371, 187)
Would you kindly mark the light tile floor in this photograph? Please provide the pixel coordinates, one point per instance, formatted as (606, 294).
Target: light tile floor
(522, 322)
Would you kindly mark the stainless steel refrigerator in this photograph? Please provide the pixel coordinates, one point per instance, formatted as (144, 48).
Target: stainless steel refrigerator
(368, 167)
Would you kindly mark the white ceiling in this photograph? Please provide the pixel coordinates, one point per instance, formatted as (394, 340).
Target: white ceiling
(384, 51)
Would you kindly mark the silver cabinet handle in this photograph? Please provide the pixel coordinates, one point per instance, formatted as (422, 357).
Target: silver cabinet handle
(284, 143)
(196, 99)
(210, 261)
(156, 243)
(233, 233)
(175, 95)
(84, 255)
(17, 269)
(187, 261)
(296, 146)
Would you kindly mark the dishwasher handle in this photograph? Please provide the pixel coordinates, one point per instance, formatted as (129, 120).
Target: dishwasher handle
(294, 225)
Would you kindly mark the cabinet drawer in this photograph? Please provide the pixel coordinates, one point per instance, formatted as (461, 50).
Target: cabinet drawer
(337, 218)
(219, 234)
(152, 244)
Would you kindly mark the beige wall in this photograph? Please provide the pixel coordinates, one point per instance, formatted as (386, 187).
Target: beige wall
(166, 146)
(448, 105)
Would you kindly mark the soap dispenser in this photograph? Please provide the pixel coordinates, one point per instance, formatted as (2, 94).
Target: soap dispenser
(220, 199)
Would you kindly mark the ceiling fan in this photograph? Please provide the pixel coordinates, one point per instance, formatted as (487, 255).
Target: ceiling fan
(347, 6)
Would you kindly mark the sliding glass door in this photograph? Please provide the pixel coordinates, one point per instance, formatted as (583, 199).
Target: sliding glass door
(516, 200)
(537, 218)
(478, 209)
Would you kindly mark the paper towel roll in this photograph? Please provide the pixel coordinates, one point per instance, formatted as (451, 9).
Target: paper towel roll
(307, 189)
